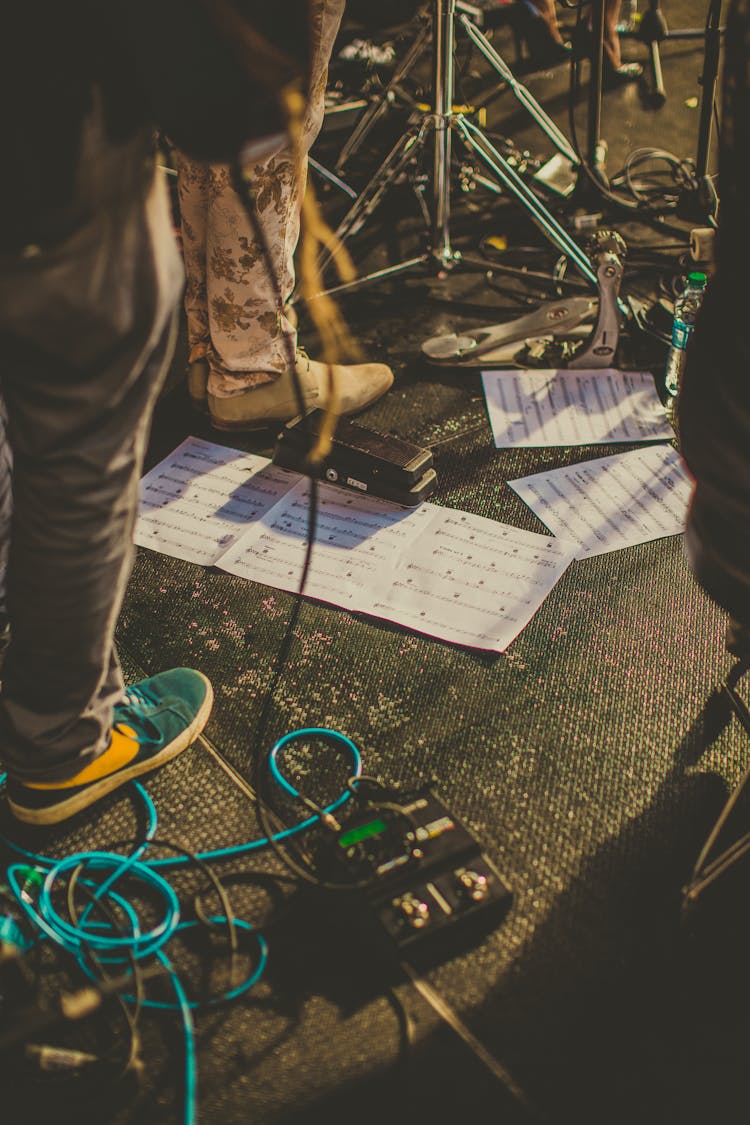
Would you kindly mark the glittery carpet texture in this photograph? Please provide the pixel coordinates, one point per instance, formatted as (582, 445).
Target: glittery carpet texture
(580, 759)
(584, 758)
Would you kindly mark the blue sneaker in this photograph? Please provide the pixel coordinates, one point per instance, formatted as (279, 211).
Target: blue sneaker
(157, 719)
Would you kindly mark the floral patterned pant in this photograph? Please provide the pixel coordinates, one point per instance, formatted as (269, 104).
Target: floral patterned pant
(232, 317)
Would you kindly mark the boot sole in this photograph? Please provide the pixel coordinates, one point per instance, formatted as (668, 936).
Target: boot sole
(98, 789)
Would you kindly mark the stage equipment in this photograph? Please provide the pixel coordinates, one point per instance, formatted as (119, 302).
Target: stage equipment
(545, 333)
(703, 247)
(607, 252)
(714, 860)
(651, 28)
(392, 93)
(440, 125)
(705, 200)
(359, 459)
(492, 344)
(430, 887)
(699, 201)
(396, 93)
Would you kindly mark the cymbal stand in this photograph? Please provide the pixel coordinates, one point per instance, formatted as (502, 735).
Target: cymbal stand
(440, 126)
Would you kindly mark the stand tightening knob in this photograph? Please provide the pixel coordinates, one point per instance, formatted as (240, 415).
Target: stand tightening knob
(606, 242)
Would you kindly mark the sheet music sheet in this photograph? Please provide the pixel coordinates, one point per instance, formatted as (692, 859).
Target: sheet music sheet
(473, 581)
(449, 574)
(612, 502)
(569, 407)
(358, 542)
(202, 497)
(452, 575)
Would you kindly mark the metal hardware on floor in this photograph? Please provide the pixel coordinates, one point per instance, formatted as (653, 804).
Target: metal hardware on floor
(440, 126)
(494, 345)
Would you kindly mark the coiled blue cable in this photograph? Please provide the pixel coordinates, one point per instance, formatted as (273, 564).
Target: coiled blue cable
(87, 936)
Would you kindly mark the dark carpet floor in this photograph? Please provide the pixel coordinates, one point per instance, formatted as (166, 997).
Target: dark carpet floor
(587, 758)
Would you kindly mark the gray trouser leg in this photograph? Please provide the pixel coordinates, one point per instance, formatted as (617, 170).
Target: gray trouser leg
(6, 504)
(86, 332)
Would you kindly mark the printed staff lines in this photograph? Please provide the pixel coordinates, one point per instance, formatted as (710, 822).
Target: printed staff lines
(460, 577)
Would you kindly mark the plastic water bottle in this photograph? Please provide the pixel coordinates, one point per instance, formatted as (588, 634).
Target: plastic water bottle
(685, 312)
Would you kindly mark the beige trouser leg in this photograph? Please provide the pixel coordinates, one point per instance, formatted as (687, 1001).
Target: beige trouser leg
(231, 311)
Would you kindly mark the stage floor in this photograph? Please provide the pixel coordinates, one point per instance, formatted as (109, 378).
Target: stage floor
(584, 758)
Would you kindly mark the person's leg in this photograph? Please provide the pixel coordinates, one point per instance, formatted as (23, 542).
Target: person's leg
(194, 186)
(546, 11)
(611, 36)
(246, 331)
(250, 340)
(6, 510)
(713, 406)
(615, 71)
(86, 330)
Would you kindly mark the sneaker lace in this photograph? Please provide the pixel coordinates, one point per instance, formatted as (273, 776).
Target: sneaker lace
(139, 696)
(130, 713)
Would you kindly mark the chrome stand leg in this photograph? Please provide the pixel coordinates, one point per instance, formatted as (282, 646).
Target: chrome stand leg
(519, 91)
(441, 124)
(379, 106)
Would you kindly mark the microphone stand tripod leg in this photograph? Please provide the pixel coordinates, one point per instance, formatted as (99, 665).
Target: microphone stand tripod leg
(596, 146)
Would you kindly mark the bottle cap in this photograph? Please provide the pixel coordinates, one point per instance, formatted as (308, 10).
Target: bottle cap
(697, 279)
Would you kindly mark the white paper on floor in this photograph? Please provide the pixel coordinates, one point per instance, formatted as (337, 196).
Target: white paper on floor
(201, 498)
(568, 407)
(452, 575)
(612, 502)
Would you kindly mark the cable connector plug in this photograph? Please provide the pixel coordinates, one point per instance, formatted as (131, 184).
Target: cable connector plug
(77, 1005)
(49, 1058)
(328, 820)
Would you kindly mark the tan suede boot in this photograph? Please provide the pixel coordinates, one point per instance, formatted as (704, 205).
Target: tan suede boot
(358, 386)
(197, 382)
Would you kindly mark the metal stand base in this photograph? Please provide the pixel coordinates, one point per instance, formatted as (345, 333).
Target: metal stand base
(652, 30)
(440, 127)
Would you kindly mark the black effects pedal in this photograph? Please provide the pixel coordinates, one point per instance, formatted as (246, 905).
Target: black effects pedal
(360, 459)
(433, 887)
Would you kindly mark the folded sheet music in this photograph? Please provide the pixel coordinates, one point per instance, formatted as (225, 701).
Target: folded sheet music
(452, 575)
(612, 502)
(569, 407)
